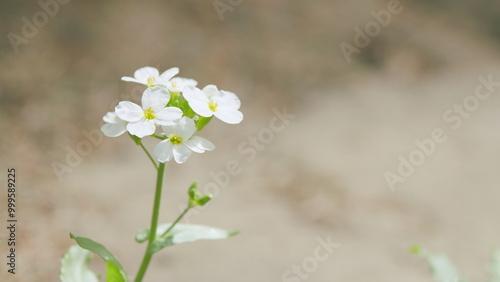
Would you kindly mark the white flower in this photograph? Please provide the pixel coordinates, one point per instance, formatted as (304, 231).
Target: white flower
(177, 84)
(114, 125)
(180, 142)
(151, 76)
(143, 120)
(210, 101)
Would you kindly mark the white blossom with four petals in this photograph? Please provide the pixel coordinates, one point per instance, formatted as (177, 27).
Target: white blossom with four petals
(180, 142)
(142, 121)
(151, 76)
(114, 125)
(209, 101)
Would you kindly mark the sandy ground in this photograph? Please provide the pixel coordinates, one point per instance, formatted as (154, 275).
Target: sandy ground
(321, 178)
(318, 178)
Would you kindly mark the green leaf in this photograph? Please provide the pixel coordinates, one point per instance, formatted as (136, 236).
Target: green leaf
(203, 200)
(195, 199)
(182, 233)
(442, 268)
(74, 266)
(113, 273)
(192, 191)
(114, 269)
(495, 266)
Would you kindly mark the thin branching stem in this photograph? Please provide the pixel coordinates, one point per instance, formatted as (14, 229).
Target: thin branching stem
(149, 155)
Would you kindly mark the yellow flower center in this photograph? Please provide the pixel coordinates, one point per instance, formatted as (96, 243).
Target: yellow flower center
(212, 106)
(174, 84)
(151, 79)
(174, 139)
(149, 114)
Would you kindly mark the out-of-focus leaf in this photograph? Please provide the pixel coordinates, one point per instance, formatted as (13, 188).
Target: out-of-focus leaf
(74, 266)
(182, 233)
(442, 268)
(495, 266)
(114, 269)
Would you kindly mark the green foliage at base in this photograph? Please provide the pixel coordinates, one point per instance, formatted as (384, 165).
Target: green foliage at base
(74, 266)
(443, 269)
(114, 269)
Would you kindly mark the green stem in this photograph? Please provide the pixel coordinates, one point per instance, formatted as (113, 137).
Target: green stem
(154, 223)
(177, 220)
(149, 155)
(158, 137)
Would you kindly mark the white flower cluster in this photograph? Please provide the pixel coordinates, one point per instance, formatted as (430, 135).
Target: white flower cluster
(178, 106)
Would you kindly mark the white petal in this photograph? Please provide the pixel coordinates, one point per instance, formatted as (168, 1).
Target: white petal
(163, 151)
(169, 129)
(114, 125)
(155, 98)
(142, 128)
(180, 83)
(197, 100)
(144, 73)
(229, 115)
(201, 108)
(168, 116)
(129, 111)
(110, 117)
(210, 90)
(229, 99)
(113, 129)
(131, 79)
(185, 81)
(168, 74)
(181, 153)
(192, 93)
(185, 128)
(199, 144)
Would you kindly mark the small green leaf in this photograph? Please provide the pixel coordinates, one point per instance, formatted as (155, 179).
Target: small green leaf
(442, 268)
(114, 269)
(195, 199)
(182, 233)
(203, 200)
(192, 191)
(74, 266)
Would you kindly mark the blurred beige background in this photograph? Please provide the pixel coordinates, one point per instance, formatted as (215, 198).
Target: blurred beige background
(320, 178)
